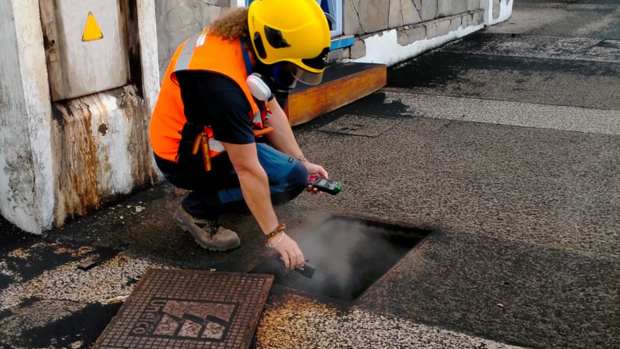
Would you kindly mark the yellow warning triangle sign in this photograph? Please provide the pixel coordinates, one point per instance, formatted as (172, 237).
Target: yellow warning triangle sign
(91, 30)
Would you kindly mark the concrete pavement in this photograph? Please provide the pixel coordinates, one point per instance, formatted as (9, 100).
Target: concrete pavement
(505, 144)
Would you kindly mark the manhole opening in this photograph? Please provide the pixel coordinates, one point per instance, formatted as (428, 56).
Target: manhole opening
(350, 254)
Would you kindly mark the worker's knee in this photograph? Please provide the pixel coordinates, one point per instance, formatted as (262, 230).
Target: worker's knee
(297, 179)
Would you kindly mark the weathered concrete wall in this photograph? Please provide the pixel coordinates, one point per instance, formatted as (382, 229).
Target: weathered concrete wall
(432, 21)
(64, 159)
(177, 20)
(390, 31)
(101, 147)
(397, 45)
(371, 16)
(26, 167)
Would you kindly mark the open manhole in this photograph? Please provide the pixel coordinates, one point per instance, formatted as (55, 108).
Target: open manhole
(189, 309)
(350, 254)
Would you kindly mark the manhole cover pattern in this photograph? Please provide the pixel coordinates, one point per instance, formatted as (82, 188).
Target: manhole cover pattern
(189, 309)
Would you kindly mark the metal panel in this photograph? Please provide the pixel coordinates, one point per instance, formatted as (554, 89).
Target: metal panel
(77, 67)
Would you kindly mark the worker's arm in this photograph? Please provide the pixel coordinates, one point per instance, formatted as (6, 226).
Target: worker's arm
(224, 106)
(255, 189)
(283, 139)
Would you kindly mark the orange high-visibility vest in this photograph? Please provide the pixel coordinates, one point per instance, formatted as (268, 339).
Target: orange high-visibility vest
(201, 52)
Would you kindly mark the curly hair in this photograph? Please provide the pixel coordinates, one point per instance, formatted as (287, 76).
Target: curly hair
(231, 25)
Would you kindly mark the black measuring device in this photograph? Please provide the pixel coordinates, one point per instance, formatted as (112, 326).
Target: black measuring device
(325, 185)
(307, 270)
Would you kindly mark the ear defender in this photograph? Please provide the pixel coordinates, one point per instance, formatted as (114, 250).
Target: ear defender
(258, 87)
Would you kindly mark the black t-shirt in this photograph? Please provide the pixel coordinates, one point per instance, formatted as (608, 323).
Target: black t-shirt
(215, 100)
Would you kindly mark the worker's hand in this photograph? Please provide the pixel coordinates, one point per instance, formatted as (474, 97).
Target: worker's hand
(290, 252)
(315, 171)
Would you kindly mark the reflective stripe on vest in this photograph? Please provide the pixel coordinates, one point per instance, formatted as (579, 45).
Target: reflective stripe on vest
(201, 52)
(186, 54)
(216, 146)
(258, 120)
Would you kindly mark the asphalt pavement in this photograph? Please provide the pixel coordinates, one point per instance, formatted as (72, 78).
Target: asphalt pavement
(503, 148)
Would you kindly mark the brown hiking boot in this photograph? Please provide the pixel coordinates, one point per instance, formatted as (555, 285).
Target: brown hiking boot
(208, 234)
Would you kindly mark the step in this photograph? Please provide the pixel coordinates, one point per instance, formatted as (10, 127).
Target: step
(342, 84)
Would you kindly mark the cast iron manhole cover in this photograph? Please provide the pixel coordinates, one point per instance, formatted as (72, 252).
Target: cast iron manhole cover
(350, 254)
(189, 309)
(360, 125)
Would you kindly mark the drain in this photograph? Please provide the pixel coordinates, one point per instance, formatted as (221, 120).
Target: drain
(189, 309)
(350, 254)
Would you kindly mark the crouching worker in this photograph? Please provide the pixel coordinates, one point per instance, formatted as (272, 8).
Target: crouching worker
(218, 129)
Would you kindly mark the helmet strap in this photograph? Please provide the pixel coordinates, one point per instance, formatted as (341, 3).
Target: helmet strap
(246, 57)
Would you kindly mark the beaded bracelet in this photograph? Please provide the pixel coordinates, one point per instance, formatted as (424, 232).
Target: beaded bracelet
(280, 228)
(279, 240)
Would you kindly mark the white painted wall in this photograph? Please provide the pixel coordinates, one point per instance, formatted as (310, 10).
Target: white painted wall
(148, 45)
(237, 3)
(26, 167)
(487, 6)
(384, 48)
(505, 11)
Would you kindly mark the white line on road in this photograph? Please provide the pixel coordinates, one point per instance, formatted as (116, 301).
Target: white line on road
(509, 113)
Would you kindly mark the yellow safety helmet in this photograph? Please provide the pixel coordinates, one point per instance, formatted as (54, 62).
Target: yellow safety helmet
(294, 31)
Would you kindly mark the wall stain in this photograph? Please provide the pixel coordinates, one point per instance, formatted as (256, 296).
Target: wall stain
(83, 156)
(103, 129)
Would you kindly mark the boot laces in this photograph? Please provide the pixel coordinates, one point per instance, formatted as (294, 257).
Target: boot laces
(211, 225)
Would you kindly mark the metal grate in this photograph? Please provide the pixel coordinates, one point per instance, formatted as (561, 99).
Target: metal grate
(189, 309)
